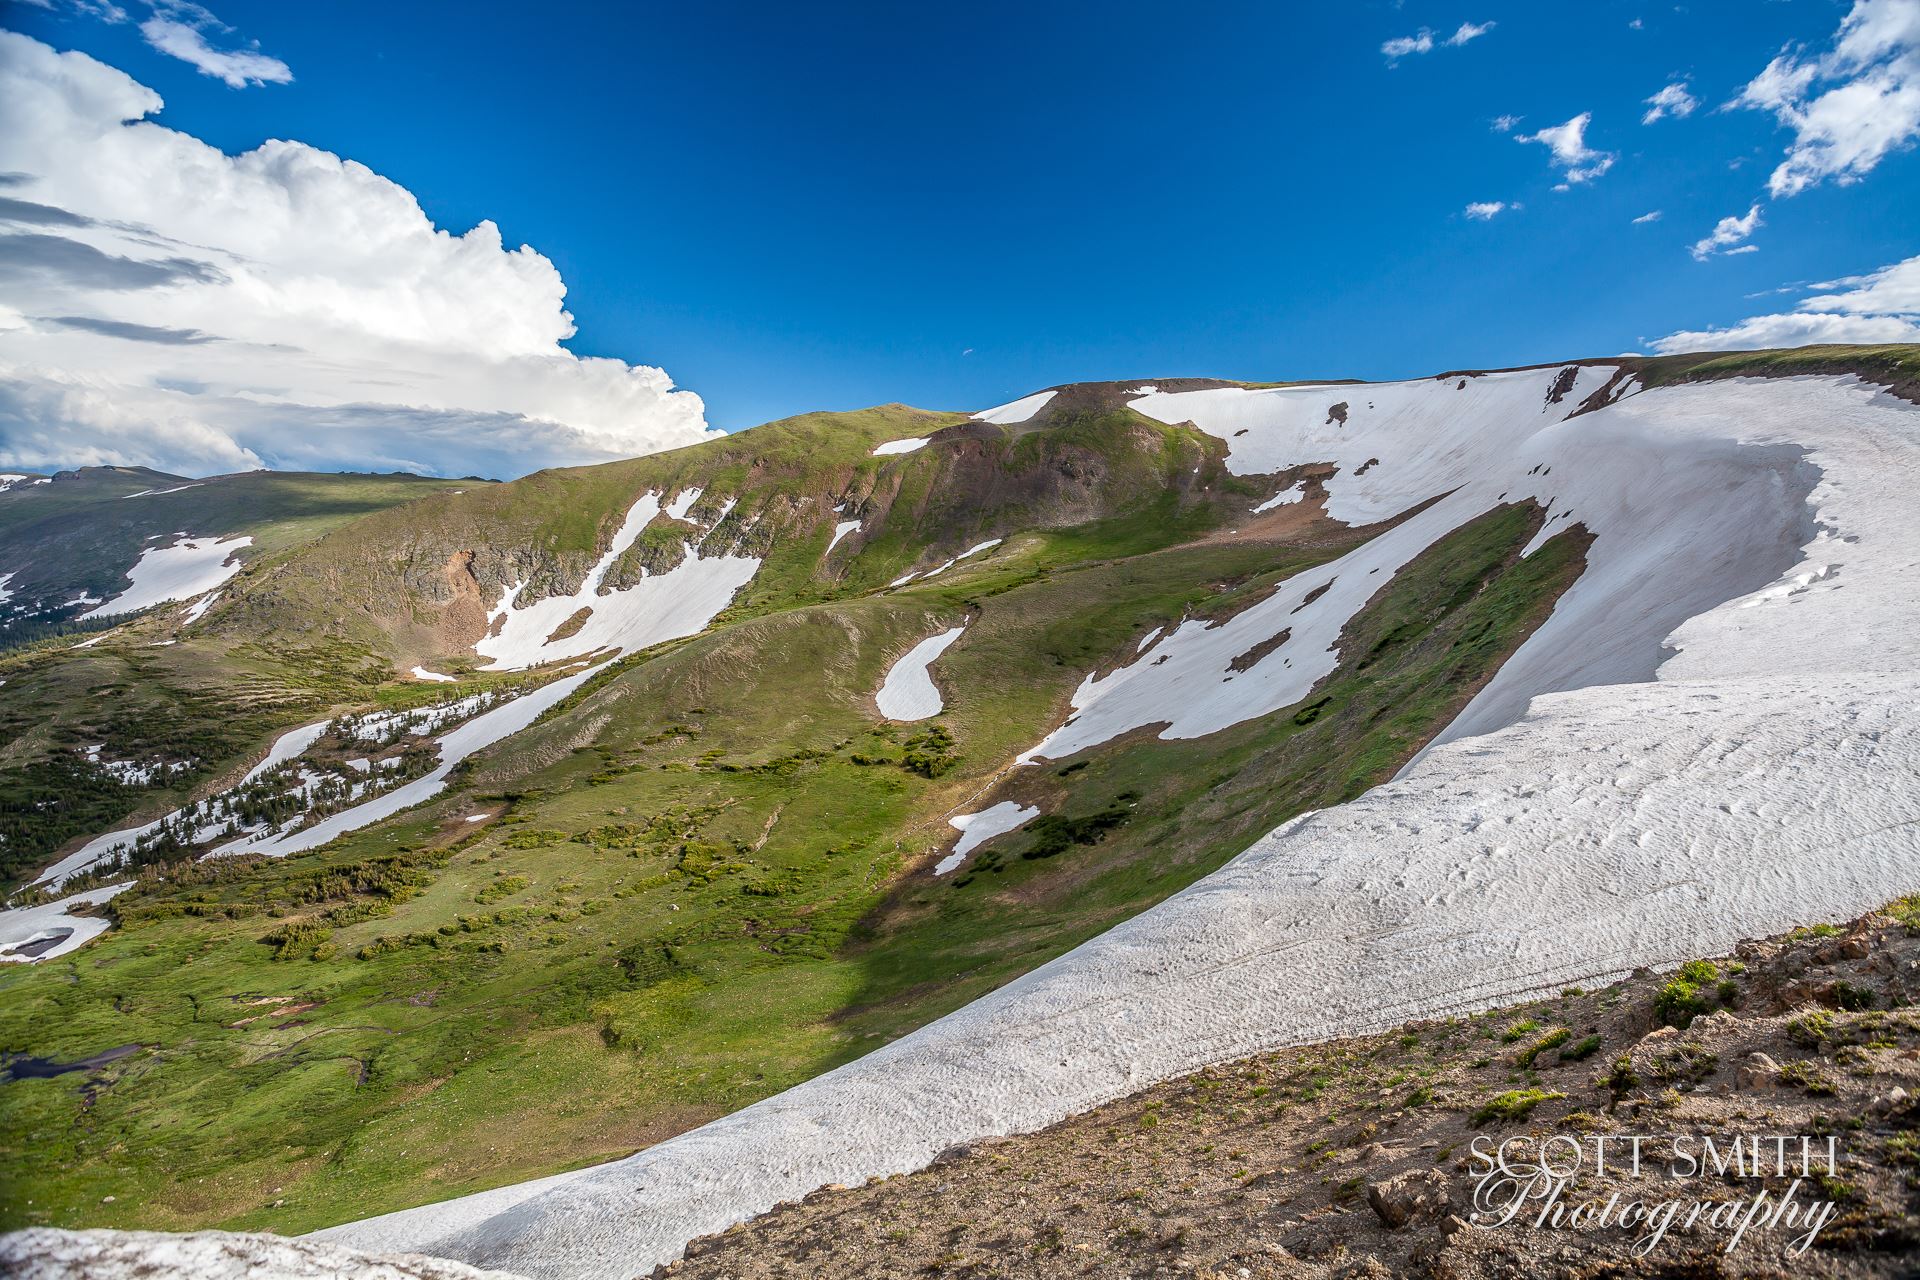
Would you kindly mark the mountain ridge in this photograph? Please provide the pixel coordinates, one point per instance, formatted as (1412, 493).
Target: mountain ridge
(712, 868)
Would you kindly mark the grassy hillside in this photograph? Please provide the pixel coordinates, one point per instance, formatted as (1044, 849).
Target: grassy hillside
(703, 880)
(416, 584)
(1895, 366)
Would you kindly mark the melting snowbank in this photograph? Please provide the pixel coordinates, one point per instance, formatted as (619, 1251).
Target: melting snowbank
(47, 931)
(908, 692)
(661, 606)
(190, 567)
(1017, 411)
(892, 447)
(977, 828)
(480, 732)
(840, 530)
(1765, 778)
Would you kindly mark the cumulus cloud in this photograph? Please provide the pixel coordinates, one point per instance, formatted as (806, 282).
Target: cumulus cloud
(1424, 40)
(1487, 210)
(165, 304)
(1883, 306)
(1849, 107)
(1570, 153)
(1727, 233)
(1673, 101)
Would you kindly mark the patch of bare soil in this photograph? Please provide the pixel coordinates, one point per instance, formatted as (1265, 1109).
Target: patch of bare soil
(1355, 1158)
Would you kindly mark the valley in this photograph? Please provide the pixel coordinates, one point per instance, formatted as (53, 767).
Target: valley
(707, 858)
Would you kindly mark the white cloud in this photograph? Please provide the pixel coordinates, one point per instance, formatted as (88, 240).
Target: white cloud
(1650, 216)
(1890, 290)
(166, 304)
(1883, 306)
(1504, 124)
(179, 30)
(1486, 210)
(1423, 41)
(1673, 101)
(1849, 107)
(1401, 46)
(1726, 233)
(1570, 153)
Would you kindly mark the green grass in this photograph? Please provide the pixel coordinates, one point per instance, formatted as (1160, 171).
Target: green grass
(1512, 1106)
(1896, 365)
(702, 904)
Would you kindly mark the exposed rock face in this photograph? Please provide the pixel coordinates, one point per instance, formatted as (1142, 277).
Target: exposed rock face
(1419, 1194)
(43, 1253)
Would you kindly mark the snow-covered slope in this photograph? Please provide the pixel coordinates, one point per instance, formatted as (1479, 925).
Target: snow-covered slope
(176, 571)
(1682, 521)
(1715, 736)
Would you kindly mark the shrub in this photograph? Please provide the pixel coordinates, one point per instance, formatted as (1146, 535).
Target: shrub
(1580, 1052)
(1852, 998)
(1056, 833)
(1513, 1105)
(1552, 1040)
(930, 752)
(1683, 998)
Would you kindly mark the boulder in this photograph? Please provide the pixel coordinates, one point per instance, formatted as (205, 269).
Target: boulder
(1421, 1194)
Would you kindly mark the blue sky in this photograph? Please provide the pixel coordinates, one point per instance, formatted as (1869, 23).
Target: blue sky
(800, 207)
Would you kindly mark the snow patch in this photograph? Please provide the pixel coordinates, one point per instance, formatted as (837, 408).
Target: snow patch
(900, 446)
(974, 550)
(1016, 411)
(177, 572)
(47, 931)
(1286, 497)
(199, 609)
(48, 1253)
(433, 677)
(908, 692)
(840, 530)
(977, 828)
(155, 493)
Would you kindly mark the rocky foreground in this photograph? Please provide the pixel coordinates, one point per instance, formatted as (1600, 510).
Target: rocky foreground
(1356, 1158)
